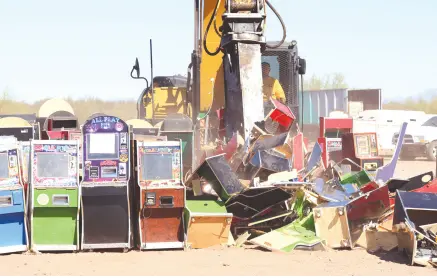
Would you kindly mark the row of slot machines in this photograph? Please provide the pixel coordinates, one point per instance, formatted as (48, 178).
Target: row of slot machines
(131, 193)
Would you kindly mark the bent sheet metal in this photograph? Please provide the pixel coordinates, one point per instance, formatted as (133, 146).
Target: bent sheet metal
(415, 216)
(218, 173)
(255, 200)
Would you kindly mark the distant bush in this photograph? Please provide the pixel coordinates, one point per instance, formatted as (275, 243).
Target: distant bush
(127, 109)
(83, 108)
(428, 106)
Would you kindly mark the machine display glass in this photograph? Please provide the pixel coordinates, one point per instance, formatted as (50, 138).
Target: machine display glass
(4, 166)
(103, 146)
(362, 145)
(52, 165)
(156, 166)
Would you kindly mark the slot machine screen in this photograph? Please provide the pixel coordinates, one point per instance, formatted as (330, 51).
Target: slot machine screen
(4, 166)
(103, 146)
(156, 166)
(66, 124)
(52, 165)
(362, 145)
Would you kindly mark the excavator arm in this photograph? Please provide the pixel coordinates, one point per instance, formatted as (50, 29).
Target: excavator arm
(229, 39)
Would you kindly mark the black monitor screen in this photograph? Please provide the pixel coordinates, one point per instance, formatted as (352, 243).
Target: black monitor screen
(52, 165)
(157, 166)
(67, 124)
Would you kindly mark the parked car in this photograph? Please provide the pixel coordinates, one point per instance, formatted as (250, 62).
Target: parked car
(420, 140)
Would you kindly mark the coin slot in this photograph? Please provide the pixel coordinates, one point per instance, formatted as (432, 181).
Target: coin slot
(166, 201)
(5, 201)
(60, 200)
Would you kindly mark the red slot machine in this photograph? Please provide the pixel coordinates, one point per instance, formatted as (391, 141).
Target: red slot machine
(362, 148)
(59, 125)
(331, 130)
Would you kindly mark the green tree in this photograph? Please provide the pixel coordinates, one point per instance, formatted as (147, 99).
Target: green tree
(332, 81)
(427, 106)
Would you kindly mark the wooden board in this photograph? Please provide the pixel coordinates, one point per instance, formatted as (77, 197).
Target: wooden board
(207, 231)
(374, 240)
(332, 227)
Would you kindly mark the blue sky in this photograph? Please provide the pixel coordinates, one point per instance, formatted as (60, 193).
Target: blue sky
(82, 48)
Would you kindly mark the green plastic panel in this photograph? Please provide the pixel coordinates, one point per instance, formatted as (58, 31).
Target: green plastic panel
(295, 235)
(202, 206)
(205, 206)
(359, 178)
(54, 226)
(55, 198)
(287, 238)
(55, 223)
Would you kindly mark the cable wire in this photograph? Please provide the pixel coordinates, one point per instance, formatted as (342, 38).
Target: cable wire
(207, 31)
(284, 29)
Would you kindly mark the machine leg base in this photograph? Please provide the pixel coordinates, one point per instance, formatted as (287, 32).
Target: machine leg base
(13, 249)
(122, 246)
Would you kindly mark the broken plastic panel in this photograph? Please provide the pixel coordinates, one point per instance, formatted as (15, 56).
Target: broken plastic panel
(298, 152)
(264, 163)
(217, 172)
(428, 188)
(413, 211)
(288, 238)
(327, 191)
(254, 201)
(279, 119)
(315, 157)
(360, 178)
(387, 171)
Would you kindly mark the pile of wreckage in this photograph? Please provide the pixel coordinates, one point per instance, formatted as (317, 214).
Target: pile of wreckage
(282, 197)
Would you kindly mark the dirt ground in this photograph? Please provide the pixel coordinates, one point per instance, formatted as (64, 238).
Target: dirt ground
(222, 261)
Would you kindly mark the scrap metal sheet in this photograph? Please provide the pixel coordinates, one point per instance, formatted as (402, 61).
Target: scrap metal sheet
(387, 171)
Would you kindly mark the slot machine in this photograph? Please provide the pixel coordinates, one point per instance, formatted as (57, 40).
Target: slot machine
(54, 195)
(105, 184)
(31, 119)
(17, 127)
(59, 125)
(180, 127)
(362, 148)
(13, 224)
(23, 130)
(161, 195)
(331, 130)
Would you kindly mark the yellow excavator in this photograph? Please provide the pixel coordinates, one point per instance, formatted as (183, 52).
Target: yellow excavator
(225, 71)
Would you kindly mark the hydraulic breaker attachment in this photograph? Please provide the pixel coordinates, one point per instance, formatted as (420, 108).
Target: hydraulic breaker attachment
(242, 42)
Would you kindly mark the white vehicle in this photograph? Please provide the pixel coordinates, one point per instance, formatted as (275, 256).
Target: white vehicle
(420, 140)
(385, 123)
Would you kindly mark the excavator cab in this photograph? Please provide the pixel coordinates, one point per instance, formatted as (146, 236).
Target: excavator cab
(169, 97)
(286, 66)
